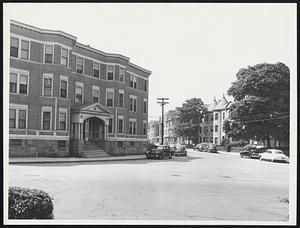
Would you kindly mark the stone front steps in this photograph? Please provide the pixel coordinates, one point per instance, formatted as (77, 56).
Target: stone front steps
(94, 153)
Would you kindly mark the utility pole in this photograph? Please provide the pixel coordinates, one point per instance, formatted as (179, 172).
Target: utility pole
(162, 101)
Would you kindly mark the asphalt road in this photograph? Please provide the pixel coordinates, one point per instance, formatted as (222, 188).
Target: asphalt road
(201, 186)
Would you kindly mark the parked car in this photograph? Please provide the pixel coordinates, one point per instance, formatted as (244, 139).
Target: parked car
(252, 151)
(201, 147)
(173, 148)
(180, 150)
(160, 152)
(211, 148)
(274, 155)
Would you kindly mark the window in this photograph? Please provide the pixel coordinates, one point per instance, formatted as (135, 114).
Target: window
(216, 116)
(95, 94)
(18, 81)
(211, 139)
(132, 126)
(96, 67)
(62, 119)
(121, 74)
(14, 47)
(79, 92)
(133, 81)
(64, 56)
(206, 129)
(216, 128)
(46, 120)
(132, 103)
(145, 85)
(24, 49)
(223, 115)
(121, 98)
(13, 83)
(212, 117)
(109, 97)
(12, 118)
(216, 140)
(47, 85)
(23, 84)
(200, 130)
(211, 128)
(48, 53)
(79, 65)
(120, 124)
(110, 125)
(63, 87)
(145, 106)
(110, 72)
(22, 119)
(144, 127)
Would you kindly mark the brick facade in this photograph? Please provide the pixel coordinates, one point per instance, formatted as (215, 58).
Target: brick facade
(35, 100)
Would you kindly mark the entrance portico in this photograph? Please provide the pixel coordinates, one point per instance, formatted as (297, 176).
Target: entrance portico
(89, 123)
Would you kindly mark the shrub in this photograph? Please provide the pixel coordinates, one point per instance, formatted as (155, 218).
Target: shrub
(239, 143)
(26, 203)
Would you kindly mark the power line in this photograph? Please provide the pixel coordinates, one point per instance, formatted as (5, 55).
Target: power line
(259, 120)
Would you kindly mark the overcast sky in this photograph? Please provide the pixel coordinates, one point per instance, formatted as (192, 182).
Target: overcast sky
(193, 50)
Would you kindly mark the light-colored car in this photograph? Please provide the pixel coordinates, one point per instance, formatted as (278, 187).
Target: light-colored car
(274, 155)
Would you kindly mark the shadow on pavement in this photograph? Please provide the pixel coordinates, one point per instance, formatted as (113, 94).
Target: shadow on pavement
(120, 162)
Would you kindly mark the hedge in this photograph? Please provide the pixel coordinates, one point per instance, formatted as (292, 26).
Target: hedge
(27, 203)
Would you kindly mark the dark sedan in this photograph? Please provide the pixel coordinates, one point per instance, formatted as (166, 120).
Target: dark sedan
(160, 152)
(252, 151)
(180, 151)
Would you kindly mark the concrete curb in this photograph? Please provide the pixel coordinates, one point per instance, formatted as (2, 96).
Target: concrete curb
(77, 160)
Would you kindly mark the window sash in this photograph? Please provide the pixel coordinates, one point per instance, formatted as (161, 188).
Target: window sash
(47, 87)
(120, 123)
(46, 120)
(145, 107)
(13, 83)
(110, 125)
(14, 47)
(23, 84)
(63, 88)
(48, 53)
(96, 68)
(22, 119)
(121, 100)
(24, 49)
(78, 94)
(62, 120)
(12, 118)
(79, 64)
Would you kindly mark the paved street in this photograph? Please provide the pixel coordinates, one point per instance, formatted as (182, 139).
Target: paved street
(201, 186)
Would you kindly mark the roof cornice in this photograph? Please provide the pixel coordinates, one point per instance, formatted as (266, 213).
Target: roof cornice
(140, 68)
(57, 32)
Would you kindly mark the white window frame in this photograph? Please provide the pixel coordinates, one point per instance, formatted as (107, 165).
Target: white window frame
(123, 92)
(46, 109)
(121, 118)
(43, 89)
(95, 68)
(63, 110)
(133, 121)
(76, 56)
(80, 84)
(18, 107)
(134, 99)
(114, 72)
(145, 100)
(61, 55)
(110, 90)
(19, 47)
(19, 73)
(134, 79)
(48, 44)
(123, 75)
(63, 78)
(96, 88)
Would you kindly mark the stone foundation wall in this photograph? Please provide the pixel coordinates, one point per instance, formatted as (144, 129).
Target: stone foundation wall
(38, 148)
(115, 148)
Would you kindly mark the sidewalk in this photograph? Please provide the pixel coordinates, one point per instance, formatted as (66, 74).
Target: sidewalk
(29, 160)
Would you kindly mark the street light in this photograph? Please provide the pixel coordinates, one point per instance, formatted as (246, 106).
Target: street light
(162, 101)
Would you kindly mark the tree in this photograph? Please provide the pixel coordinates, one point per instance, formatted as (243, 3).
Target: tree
(190, 116)
(261, 108)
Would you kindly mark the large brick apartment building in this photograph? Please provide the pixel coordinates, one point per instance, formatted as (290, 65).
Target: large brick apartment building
(66, 97)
